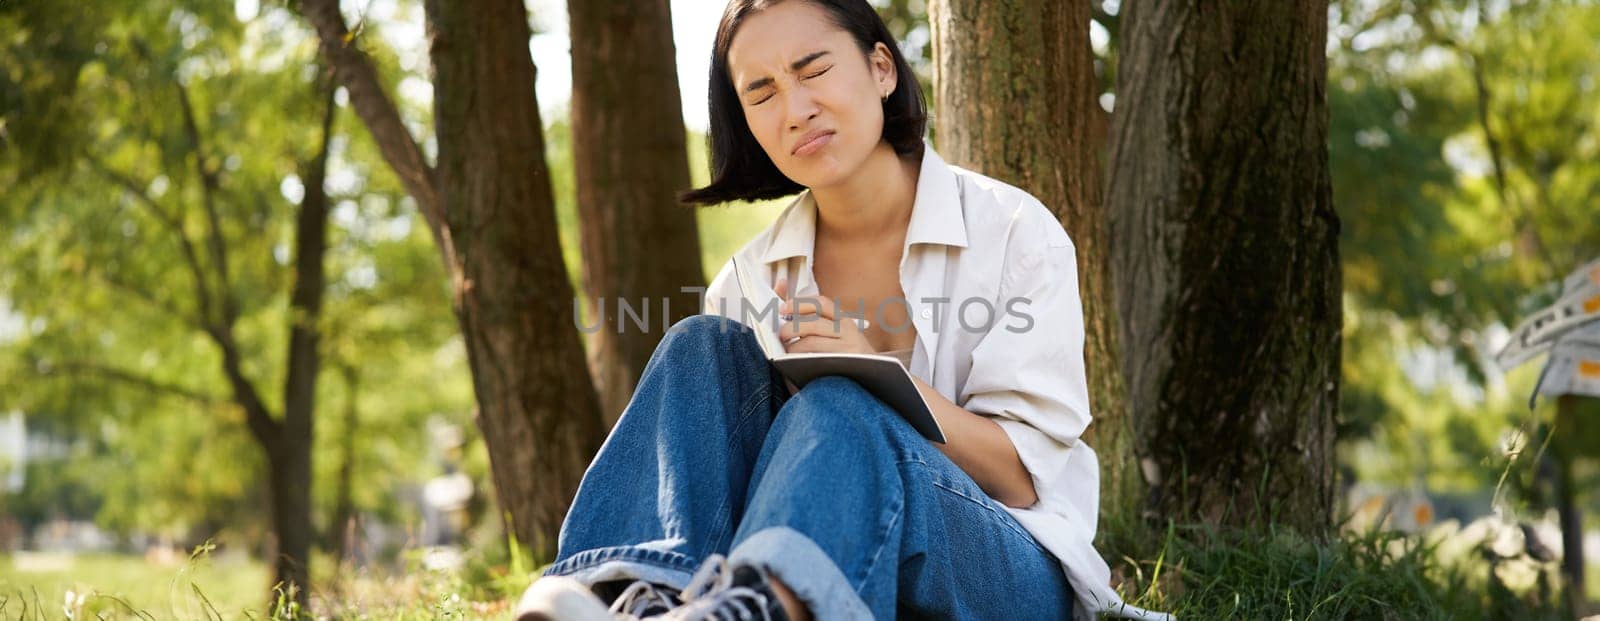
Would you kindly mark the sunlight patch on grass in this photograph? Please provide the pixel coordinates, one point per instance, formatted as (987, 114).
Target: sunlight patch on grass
(48, 586)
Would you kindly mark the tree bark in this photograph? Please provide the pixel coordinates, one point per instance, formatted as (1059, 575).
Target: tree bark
(1016, 99)
(352, 69)
(489, 204)
(289, 457)
(537, 408)
(1227, 258)
(341, 528)
(1569, 510)
(640, 247)
(289, 484)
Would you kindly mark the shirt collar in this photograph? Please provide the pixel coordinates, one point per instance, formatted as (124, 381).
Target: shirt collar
(936, 216)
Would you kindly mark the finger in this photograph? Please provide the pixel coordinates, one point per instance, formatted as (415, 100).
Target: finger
(820, 305)
(813, 344)
(810, 326)
(798, 345)
(805, 325)
(782, 288)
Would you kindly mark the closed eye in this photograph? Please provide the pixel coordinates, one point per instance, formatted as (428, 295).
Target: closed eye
(804, 77)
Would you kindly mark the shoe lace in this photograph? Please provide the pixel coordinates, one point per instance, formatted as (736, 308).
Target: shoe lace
(712, 596)
(641, 596)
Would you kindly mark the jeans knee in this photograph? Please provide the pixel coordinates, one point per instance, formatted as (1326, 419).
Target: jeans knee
(713, 358)
(703, 325)
(855, 427)
(835, 400)
(704, 328)
(699, 335)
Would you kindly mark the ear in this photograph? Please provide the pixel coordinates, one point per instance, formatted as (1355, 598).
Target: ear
(883, 70)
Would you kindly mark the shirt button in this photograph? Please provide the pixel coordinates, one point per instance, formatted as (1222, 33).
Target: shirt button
(926, 313)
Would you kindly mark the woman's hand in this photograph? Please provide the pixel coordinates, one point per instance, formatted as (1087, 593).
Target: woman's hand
(812, 327)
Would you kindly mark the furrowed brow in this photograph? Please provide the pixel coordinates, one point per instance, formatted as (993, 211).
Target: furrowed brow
(794, 66)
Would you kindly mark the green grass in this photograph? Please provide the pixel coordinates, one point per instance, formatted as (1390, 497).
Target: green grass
(35, 586)
(207, 586)
(1591, 574)
(1199, 572)
(1194, 572)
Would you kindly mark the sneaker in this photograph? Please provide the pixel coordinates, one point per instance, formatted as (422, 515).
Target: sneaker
(559, 598)
(718, 591)
(644, 599)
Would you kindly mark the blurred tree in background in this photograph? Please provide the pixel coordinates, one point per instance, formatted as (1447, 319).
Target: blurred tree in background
(1465, 152)
(487, 198)
(1466, 162)
(167, 155)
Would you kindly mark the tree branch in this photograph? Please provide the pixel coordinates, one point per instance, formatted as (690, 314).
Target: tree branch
(353, 69)
(173, 224)
(208, 191)
(266, 430)
(262, 426)
(142, 381)
(217, 326)
(1522, 221)
(260, 421)
(165, 306)
(132, 187)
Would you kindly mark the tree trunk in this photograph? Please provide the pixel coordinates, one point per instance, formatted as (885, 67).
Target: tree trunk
(537, 407)
(1015, 95)
(640, 248)
(1227, 259)
(289, 454)
(1568, 509)
(341, 528)
(490, 210)
(289, 482)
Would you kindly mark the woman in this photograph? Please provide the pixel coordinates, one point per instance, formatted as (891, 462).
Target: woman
(723, 492)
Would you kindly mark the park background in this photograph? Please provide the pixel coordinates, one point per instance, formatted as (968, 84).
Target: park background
(277, 279)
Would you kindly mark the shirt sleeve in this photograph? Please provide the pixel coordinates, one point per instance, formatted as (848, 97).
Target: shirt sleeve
(1027, 371)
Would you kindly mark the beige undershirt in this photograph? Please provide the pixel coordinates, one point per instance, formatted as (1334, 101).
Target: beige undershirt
(904, 355)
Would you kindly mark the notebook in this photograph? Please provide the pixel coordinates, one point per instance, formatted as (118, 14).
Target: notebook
(881, 375)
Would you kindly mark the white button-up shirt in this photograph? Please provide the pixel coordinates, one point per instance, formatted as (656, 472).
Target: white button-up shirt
(978, 255)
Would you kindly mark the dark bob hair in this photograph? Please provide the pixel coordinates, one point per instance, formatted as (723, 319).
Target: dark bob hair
(740, 169)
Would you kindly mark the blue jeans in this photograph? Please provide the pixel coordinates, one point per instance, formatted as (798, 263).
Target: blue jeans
(829, 489)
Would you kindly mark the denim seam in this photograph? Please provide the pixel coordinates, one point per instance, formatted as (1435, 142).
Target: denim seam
(935, 479)
(589, 558)
(883, 542)
(726, 508)
(749, 406)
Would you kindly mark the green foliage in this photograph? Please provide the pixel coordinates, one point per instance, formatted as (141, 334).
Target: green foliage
(103, 198)
(1447, 240)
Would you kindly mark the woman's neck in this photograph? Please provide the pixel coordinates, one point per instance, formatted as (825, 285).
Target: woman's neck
(876, 200)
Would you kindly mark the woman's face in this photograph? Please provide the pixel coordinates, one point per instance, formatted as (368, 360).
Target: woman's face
(798, 77)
